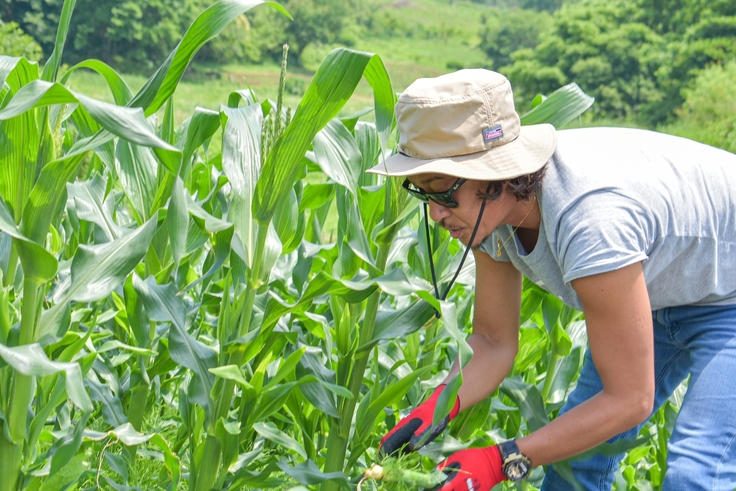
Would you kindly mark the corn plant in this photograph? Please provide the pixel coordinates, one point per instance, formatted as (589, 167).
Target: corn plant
(49, 133)
(160, 302)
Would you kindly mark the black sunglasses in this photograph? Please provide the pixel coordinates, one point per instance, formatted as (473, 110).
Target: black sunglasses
(444, 198)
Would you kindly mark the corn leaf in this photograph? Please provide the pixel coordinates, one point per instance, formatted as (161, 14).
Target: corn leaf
(125, 122)
(567, 371)
(200, 128)
(38, 263)
(471, 420)
(316, 195)
(31, 360)
(128, 436)
(231, 372)
(137, 170)
(67, 475)
(321, 284)
(118, 87)
(17, 72)
(222, 242)
(308, 473)
(337, 154)
(98, 269)
(241, 161)
(48, 191)
(206, 26)
(329, 90)
(338, 390)
(370, 407)
(163, 305)
(531, 300)
(177, 221)
(447, 397)
(286, 367)
(21, 139)
(561, 343)
(272, 400)
(562, 106)
(90, 129)
(90, 205)
(397, 323)
(208, 222)
(19, 148)
(51, 69)
(110, 404)
(371, 202)
(369, 143)
(529, 401)
(269, 431)
(289, 223)
(351, 226)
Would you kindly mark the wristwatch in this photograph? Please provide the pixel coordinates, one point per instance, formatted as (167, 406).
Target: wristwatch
(514, 464)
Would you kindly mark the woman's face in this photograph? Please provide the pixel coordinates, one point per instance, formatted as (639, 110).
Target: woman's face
(461, 220)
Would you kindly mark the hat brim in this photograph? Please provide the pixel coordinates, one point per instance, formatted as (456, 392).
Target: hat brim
(526, 154)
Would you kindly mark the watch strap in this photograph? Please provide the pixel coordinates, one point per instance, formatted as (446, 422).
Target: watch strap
(514, 464)
(508, 448)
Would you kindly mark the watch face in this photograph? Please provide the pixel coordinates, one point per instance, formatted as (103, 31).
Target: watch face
(516, 469)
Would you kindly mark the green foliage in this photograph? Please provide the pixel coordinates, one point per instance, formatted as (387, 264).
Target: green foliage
(131, 35)
(171, 313)
(601, 47)
(538, 5)
(317, 21)
(708, 112)
(136, 34)
(511, 30)
(318, 25)
(634, 56)
(397, 21)
(14, 42)
(541, 5)
(253, 38)
(38, 18)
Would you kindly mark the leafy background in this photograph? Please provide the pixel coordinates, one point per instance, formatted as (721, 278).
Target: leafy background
(202, 289)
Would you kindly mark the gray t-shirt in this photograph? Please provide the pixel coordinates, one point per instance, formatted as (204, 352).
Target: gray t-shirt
(612, 197)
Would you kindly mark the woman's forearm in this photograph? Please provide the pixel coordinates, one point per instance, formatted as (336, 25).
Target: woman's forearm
(583, 427)
(490, 364)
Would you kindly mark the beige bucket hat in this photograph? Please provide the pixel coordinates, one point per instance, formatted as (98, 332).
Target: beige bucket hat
(464, 124)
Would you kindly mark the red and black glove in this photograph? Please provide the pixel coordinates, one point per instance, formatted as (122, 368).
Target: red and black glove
(474, 469)
(405, 436)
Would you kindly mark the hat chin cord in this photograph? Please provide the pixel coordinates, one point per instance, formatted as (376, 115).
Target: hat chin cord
(437, 313)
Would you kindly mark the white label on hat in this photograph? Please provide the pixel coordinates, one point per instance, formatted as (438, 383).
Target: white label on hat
(491, 134)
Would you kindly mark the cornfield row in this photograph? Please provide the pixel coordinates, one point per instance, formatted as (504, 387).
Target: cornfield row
(175, 318)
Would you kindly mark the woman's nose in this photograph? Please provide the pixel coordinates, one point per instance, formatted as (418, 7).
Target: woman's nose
(437, 212)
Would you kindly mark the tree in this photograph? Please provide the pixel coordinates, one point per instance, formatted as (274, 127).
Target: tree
(512, 30)
(129, 34)
(260, 34)
(541, 5)
(37, 18)
(707, 114)
(316, 21)
(634, 56)
(597, 45)
(14, 42)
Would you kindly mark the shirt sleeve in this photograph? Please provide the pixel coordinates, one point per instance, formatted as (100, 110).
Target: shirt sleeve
(601, 232)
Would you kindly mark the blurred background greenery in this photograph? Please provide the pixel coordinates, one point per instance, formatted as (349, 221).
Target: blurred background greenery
(665, 65)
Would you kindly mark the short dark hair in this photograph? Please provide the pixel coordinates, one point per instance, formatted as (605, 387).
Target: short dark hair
(522, 187)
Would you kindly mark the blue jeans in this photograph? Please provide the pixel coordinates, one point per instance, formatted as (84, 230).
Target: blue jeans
(701, 342)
